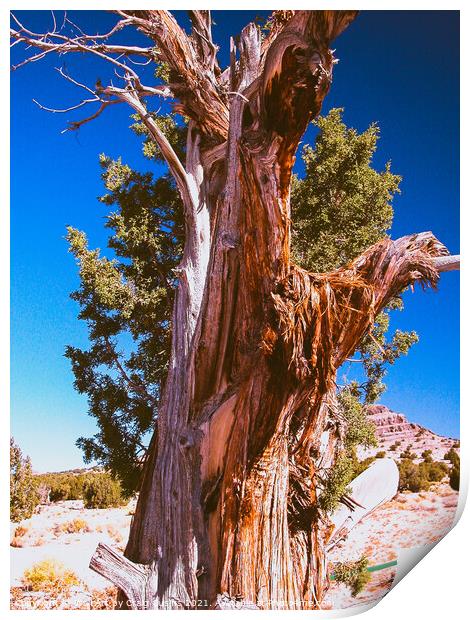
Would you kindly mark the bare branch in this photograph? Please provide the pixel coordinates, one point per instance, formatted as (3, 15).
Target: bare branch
(130, 577)
(63, 110)
(54, 41)
(62, 44)
(447, 263)
(74, 125)
(171, 158)
(69, 78)
(202, 36)
(193, 76)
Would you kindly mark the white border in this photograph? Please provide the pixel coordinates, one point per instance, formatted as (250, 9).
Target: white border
(438, 586)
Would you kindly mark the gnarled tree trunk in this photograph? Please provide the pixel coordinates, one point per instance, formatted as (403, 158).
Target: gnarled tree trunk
(228, 508)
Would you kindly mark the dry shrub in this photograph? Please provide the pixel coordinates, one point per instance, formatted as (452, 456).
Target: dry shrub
(21, 530)
(75, 526)
(49, 576)
(114, 533)
(17, 541)
(104, 599)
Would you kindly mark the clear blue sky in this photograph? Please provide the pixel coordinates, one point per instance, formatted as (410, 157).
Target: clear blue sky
(400, 69)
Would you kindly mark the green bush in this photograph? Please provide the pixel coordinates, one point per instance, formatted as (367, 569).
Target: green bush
(49, 576)
(59, 492)
(434, 470)
(418, 477)
(453, 457)
(407, 454)
(23, 493)
(102, 491)
(454, 475)
(411, 477)
(65, 485)
(354, 574)
(427, 456)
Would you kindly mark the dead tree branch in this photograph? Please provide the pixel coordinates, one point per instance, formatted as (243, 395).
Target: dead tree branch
(447, 263)
(128, 576)
(193, 73)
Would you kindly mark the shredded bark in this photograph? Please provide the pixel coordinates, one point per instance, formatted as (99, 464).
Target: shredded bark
(318, 319)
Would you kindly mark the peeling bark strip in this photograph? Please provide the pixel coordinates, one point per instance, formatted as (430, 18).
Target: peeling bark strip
(228, 510)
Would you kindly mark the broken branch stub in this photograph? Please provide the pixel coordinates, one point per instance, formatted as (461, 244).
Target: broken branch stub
(128, 576)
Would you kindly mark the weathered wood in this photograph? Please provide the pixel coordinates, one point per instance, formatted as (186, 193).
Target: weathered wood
(447, 263)
(131, 578)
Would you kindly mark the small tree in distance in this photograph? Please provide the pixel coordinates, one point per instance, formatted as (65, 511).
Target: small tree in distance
(102, 491)
(23, 493)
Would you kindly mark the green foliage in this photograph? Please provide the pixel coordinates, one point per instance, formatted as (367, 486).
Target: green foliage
(358, 431)
(65, 485)
(452, 456)
(411, 477)
(418, 477)
(23, 494)
(342, 205)
(102, 491)
(376, 352)
(176, 134)
(407, 454)
(162, 71)
(434, 470)
(335, 483)
(340, 208)
(126, 302)
(454, 475)
(354, 574)
(50, 576)
(427, 456)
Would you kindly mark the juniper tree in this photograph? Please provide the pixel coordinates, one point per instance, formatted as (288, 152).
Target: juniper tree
(147, 232)
(23, 492)
(248, 418)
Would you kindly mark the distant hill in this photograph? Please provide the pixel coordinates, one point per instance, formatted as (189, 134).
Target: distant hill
(394, 430)
(75, 472)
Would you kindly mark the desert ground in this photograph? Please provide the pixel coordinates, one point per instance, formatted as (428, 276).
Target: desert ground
(409, 520)
(69, 533)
